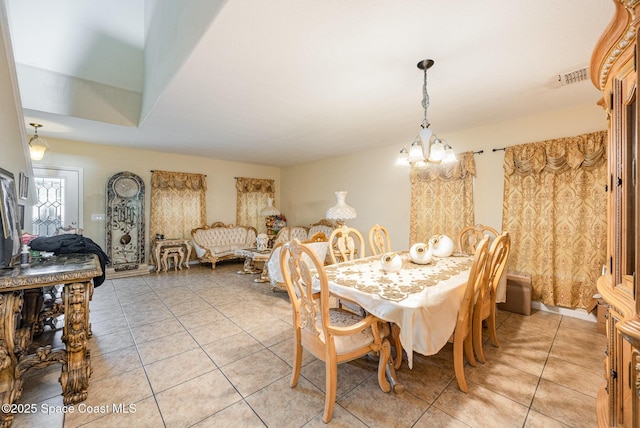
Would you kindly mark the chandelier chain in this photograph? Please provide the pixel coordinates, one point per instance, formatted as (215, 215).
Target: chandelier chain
(425, 100)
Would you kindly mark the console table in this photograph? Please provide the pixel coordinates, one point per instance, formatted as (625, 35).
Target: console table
(162, 245)
(21, 293)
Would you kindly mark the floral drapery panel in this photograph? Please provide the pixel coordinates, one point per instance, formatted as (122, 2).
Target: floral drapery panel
(442, 198)
(555, 209)
(178, 203)
(253, 195)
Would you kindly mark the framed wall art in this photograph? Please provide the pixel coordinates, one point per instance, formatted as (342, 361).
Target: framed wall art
(10, 222)
(23, 186)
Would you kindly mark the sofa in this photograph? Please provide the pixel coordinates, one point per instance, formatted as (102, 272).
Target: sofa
(303, 233)
(220, 241)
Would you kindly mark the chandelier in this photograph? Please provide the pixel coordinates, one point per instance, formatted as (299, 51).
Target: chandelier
(426, 147)
(37, 145)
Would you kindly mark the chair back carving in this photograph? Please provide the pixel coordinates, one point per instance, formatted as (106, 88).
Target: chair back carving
(470, 236)
(379, 241)
(485, 306)
(345, 244)
(462, 337)
(330, 334)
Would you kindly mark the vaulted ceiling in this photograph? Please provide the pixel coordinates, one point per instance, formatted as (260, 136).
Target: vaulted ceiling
(282, 82)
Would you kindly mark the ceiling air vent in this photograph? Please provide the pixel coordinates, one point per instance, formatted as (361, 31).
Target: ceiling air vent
(572, 77)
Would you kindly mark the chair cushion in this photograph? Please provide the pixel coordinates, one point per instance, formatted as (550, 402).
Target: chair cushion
(345, 344)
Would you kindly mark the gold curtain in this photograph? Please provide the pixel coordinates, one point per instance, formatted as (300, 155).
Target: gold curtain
(555, 209)
(178, 203)
(442, 198)
(253, 194)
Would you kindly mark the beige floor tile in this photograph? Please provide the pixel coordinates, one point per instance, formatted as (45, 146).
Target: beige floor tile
(426, 379)
(47, 414)
(180, 368)
(143, 414)
(232, 348)
(564, 404)
(115, 363)
(585, 355)
(341, 419)
(526, 354)
(284, 350)
(481, 407)
(108, 325)
(165, 347)
(41, 384)
(505, 380)
(271, 333)
(302, 403)
(151, 331)
(238, 415)
(196, 400)
(379, 409)
(573, 376)
(538, 420)
(147, 316)
(256, 371)
(186, 307)
(435, 417)
(350, 375)
(196, 319)
(110, 342)
(215, 331)
(124, 389)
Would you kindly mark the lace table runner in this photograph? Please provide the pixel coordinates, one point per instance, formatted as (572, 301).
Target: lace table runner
(367, 276)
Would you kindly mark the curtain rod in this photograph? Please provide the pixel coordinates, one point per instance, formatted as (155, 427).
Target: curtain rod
(153, 170)
(497, 150)
(479, 152)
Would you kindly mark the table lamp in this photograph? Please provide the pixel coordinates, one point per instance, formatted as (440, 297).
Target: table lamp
(341, 211)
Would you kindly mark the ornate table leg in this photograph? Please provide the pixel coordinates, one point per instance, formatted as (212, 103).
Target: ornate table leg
(10, 381)
(248, 267)
(188, 256)
(77, 369)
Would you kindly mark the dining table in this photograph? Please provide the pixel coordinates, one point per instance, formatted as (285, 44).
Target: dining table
(423, 300)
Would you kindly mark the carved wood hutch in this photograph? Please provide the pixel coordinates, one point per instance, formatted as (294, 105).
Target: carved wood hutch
(614, 72)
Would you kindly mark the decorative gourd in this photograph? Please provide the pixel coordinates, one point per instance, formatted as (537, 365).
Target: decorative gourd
(391, 262)
(441, 245)
(421, 253)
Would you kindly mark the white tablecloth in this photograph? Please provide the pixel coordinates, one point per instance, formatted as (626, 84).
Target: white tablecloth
(422, 299)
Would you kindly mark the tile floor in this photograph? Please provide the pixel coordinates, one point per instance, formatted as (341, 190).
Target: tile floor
(203, 348)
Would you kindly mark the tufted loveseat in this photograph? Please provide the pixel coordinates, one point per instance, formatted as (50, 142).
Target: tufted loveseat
(219, 241)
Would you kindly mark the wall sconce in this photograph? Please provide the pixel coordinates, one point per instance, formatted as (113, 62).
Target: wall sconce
(37, 145)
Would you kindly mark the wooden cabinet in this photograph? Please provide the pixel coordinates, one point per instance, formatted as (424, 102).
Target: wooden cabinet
(614, 72)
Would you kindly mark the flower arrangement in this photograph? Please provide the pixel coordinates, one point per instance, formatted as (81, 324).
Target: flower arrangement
(276, 222)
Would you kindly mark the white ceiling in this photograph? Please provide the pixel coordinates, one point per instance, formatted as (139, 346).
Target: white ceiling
(282, 82)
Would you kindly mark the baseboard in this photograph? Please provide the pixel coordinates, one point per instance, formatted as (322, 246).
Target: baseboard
(575, 313)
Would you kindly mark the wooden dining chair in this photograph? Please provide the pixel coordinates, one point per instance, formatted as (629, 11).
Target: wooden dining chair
(485, 306)
(332, 335)
(379, 241)
(462, 335)
(469, 237)
(346, 244)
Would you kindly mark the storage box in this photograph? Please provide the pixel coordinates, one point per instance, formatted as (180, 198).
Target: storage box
(518, 294)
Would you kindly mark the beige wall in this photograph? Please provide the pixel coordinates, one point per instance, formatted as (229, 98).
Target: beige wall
(99, 162)
(381, 192)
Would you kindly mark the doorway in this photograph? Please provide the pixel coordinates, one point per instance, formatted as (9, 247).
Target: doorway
(58, 199)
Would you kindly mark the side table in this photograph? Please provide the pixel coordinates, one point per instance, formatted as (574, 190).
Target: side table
(251, 256)
(161, 245)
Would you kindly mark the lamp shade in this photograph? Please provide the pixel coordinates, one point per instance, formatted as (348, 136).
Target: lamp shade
(341, 211)
(269, 210)
(37, 147)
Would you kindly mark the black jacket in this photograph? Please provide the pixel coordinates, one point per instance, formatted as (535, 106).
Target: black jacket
(72, 243)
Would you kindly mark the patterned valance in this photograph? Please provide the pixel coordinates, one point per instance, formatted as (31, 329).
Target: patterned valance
(557, 156)
(178, 180)
(465, 165)
(250, 185)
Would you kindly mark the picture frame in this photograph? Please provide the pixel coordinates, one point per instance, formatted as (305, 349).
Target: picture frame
(9, 222)
(23, 186)
(21, 215)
